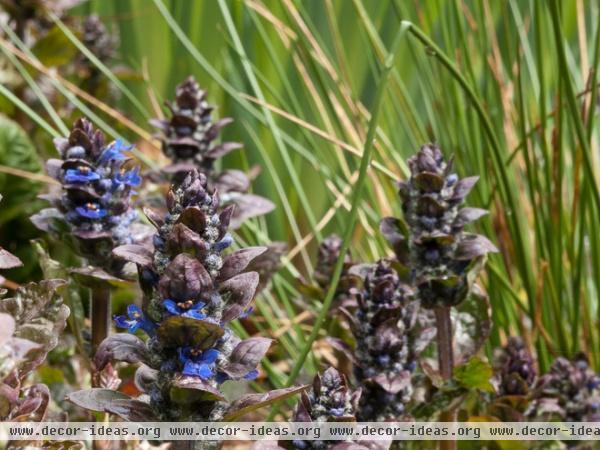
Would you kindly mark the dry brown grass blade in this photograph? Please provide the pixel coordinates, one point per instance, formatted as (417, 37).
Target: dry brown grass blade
(28, 175)
(321, 108)
(317, 131)
(121, 118)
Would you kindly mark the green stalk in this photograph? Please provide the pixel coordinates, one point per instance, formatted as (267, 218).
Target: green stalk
(505, 184)
(281, 147)
(572, 103)
(351, 220)
(30, 112)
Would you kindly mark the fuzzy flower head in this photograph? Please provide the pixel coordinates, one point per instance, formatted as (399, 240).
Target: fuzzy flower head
(190, 139)
(330, 399)
(570, 391)
(328, 253)
(192, 290)
(387, 344)
(188, 136)
(95, 201)
(438, 251)
(515, 368)
(97, 39)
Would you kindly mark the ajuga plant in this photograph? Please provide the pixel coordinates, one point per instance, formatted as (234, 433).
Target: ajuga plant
(515, 368)
(30, 18)
(329, 399)
(327, 255)
(191, 293)
(388, 342)
(189, 138)
(102, 43)
(380, 307)
(385, 354)
(31, 322)
(569, 392)
(444, 260)
(92, 209)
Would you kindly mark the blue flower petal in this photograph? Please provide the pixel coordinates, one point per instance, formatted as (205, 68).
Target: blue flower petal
(129, 178)
(250, 376)
(201, 370)
(134, 311)
(114, 152)
(147, 325)
(337, 412)
(210, 356)
(194, 314)
(79, 176)
(171, 307)
(223, 243)
(246, 313)
(122, 321)
(183, 353)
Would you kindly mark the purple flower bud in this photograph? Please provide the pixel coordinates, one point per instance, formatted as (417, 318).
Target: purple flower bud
(96, 195)
(430, 200)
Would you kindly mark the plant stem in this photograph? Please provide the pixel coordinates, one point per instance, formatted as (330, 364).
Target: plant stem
(446, 362)
(100, 314)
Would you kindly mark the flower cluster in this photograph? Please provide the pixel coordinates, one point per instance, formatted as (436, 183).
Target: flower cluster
(102, 44)
(515, 368)
(191, 293)
(438, 251)
(95, 196)
(188, 140)
(569, 392)
(386, 347)
(97, 39)
(329, 400)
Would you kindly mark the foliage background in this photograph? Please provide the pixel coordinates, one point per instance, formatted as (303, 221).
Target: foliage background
(509, 88)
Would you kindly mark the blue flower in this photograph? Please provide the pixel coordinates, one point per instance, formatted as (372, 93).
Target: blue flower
(91, 211)
(185, 309)
(114, 152)
(135, 320)
(336, 412)
(82, 174)
(246, 313)
(250, 376)
(198, 364)
(223, 243)
(128, 178)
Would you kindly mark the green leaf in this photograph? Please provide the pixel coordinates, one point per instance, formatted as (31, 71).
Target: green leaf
(17, 152)
(475, 374)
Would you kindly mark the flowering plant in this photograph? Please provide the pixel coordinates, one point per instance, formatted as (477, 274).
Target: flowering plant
(188, 140)
(93, 208)
(191, 294)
